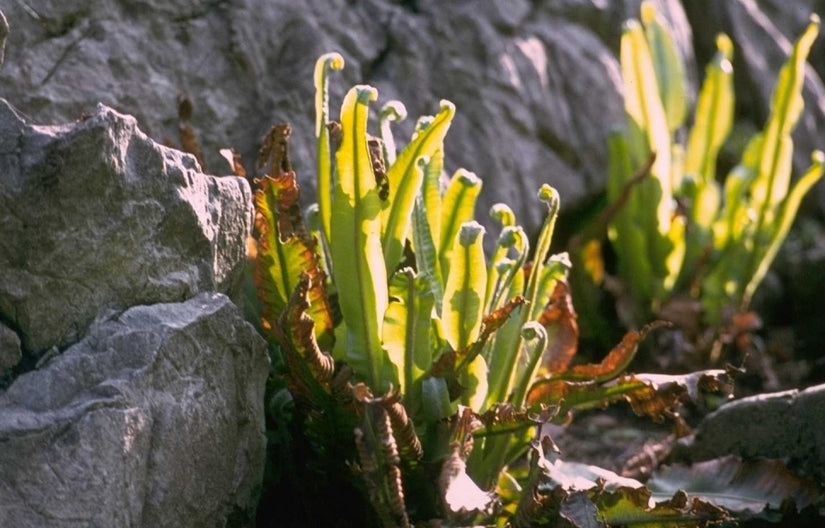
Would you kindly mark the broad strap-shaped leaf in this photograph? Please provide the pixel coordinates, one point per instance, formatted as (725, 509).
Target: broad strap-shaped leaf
(358, 270)
(714, 115)
(422, 231)
(786, 107)
(764, 182)
(490, 325)
(648, 132)
(549, 196)
(463, 304)
(771, 185)
(646, 112)
(670, 71)
(472, 378)
(285, 252)
(556, 269)
(326, 62)
(534, 337)
(629, 241)
(711, 126)
(435, 400)
(786, 218)
(406, 329)
(508, 345)
(405, 180)
(432, 190)
(456, 208)
(502, 352)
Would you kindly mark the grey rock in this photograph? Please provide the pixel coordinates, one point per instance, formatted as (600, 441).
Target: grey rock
(10, 352)
(785, 425)
(536, 83)
(96, 215)
(154, 419)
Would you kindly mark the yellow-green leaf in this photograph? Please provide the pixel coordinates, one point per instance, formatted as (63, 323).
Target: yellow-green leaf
(784, 221)
(328, 61)
(462, 311)
(405, 180)
(714, 115)
(406, 329)
(358, 262)
(670, 72)
(456, 208)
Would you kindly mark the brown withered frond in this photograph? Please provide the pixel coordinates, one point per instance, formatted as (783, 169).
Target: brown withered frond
(285, 249)
(379, 458)
(188, 138)
(379, 169)
(661, 393)
(560, 320)
(403, 429)
(617, 359)
(309, 369)
(503, 418)
(275, 150)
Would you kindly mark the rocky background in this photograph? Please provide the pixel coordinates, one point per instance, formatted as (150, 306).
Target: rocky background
(131, 389)
(536, 83)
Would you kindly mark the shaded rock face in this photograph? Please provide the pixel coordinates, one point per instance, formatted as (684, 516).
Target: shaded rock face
(154, 419)
(96, 215)
(785, 425)
(10, 352)
(536, 84)
(139, 397)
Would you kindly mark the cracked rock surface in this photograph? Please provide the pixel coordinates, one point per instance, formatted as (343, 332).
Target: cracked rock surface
(536, 84)
(785, 425)
(96, 215)
(154, 419)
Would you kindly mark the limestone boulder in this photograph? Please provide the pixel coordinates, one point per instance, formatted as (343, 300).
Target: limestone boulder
(536, 83)
(155, 418)
(96, 215)
(786, 425)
